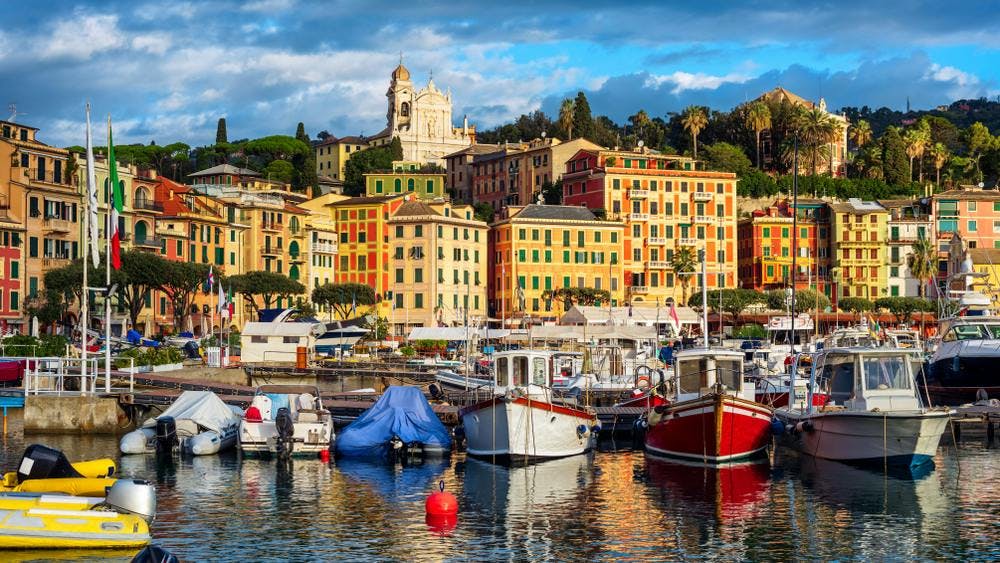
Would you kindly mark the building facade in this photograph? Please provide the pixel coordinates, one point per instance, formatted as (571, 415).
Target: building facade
(422, 181)
(459, 169)
(909, 221)
(765, 247)
(860, 249)
(333, 153)
(970, 212)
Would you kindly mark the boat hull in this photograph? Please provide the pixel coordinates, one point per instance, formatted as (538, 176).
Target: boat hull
(208, 442)
(458, 382)
(512, 429)
(715, 428)
(63, 522)
(956, 380)
(897, 439)
(308, 439)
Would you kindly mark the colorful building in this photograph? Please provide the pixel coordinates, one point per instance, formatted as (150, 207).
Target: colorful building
(321, 242)
(765, 246)
(423, 181)
(458, 181)
(667, 203)
(537, 249)
(438, 265)
(909, 221)
(333, 153)
(859, 249)
(970, 212)
(17, 144)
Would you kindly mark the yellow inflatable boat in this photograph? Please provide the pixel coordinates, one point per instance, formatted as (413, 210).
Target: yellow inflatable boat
(46, 470)
(44, 521)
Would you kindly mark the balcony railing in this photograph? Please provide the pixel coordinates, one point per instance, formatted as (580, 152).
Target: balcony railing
(638, 216)
(147, 205)
(271, 251)
(57, 225)
(687, 241)
(638, 289)
(659, 265)
(324, 247)
(171, 232)
(268, 226)
(702, 196)
(147, 242)
(636, 193)
(55, 261)
(702, 219)
(657, 240)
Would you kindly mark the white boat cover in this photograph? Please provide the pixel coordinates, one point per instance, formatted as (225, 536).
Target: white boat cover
(203, 408)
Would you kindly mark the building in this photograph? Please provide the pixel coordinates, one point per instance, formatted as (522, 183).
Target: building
(909, 221)
(423, 181)
(859, 249)
(332, 155)
(970, 212)
(765, 246)
(984, 261)
(537, 249)
(667, 204)
(422, 121)
(770, 154)
(438, 265)
(458, 165)
(321, 242)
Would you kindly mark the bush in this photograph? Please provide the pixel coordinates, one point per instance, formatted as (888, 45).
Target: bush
(408, 351)
(31, 347)
(750, 331)
(855, 304)
(149, 357)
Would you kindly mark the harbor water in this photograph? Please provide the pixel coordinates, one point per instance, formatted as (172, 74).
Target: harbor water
(611, 505)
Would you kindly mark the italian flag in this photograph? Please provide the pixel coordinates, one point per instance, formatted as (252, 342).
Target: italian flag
(115, 242)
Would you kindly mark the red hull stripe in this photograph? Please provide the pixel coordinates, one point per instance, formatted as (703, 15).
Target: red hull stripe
(540, 405)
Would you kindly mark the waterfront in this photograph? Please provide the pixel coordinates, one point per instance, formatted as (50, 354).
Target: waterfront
(606, 506)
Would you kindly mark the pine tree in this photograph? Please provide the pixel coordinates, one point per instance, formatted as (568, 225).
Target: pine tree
(895, 165)
(583, 122)
(220, 132)
(305, 165)
(300, 133)
(396, 148)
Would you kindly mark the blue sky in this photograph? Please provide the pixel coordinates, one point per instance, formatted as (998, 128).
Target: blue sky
(168, 71)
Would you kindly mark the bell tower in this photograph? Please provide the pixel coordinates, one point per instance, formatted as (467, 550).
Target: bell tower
(400, 97)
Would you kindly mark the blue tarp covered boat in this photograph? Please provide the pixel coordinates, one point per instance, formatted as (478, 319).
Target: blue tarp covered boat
(400, 424)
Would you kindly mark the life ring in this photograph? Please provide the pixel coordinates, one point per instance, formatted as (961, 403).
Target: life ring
(642, 382)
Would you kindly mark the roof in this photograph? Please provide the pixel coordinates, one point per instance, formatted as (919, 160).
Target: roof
(593, 332)
(968, 192)
(857, 206)
(414, 208)
(365, 200)
(289, 206)
(636, 315)
(454, 333)
(985, 256)
(278, 329)
(224, 169)
(903, 202)
(479, 148)
(352, 139)
(780, 94)
(555, 212)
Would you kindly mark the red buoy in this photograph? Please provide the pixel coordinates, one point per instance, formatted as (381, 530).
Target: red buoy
(324, 455)
(441, 503)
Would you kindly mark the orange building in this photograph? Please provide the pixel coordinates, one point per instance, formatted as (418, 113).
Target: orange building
(970, 212)
(765, 246)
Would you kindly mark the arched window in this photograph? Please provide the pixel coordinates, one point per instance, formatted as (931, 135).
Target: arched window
(409, 185)
(399, 185)
(293, 272)
(293, 249)
(404, 109)
(140, 232)
(141, 198)
(293, 224)
(121, 184)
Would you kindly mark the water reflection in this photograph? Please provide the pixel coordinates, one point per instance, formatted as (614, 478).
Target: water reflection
(725, 492)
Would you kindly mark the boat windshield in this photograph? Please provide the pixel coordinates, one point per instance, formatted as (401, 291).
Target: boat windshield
(972, 332)
(694, 374)
(885, 372)
(729, 373)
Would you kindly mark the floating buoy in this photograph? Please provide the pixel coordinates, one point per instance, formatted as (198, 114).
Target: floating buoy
(324, 455)
(777, 427)
(441, 503)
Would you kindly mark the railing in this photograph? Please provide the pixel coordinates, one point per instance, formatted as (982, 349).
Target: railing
(56, 225)
(55, 376)
(262, 199)
(702, 196)
(687, 241)
(638, 216)
(659, 265)
(636, 289)
(702, 219)
(324, 248)
(150, 242)
(636, 193)
(657, 240)
(268, 226)
(175, 232)
(269, 251)
(147, 205)
(54, 261)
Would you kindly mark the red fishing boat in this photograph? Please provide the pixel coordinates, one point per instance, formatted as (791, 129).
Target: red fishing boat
(712, 416)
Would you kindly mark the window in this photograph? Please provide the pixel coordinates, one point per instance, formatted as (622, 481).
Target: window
(972, 226)
(399, 275)
(972, 206)
(418, 300)
(418, 275)
(14, 271)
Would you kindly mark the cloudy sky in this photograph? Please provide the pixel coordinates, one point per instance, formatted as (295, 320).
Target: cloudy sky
(168, 71)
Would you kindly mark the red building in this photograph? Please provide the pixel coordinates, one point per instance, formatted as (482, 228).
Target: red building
(765, 246)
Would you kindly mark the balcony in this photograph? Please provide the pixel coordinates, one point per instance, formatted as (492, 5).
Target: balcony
(702, 219)
(55, 261)
(54, 225)
(171, 232)
(324, 247)
(702, 196)
(147, 205)
(657, 240)
(637, 193)
(687, 241)
(659, 265)
(147, 242)
(262, 200)
(271, 251)
(638, 216)
(272, 227)
(297, 233)
(638, 289)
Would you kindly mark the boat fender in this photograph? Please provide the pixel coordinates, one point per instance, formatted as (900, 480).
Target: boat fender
(133, 496)
(581, 430)
(253, 415)
(804, 426)
(777, 427)
(166, 434)
(595, 429)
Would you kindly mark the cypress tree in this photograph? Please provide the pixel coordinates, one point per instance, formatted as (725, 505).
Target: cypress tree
(895, 166)
(583, 123)
(300, 133)
(396, 149)
(220, 132)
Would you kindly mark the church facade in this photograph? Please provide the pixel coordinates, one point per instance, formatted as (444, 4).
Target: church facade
(422, 120)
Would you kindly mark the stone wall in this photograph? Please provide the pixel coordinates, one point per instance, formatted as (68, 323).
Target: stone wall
(72, 415)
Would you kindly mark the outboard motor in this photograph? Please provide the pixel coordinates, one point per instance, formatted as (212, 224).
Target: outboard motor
(458, 433)
(133, 496)
(286, 431)
(436, 392)
(166, 435)
(397, 450)
(43, 462)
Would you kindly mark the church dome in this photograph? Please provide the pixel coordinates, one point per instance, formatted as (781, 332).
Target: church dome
(401, 73)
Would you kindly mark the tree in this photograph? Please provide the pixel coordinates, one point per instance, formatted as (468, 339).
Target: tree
(571, 296)
(396, 149)
(855, 304)
(277, 146)
(583, 123)
(566, 110)
(344, 298)
(916, 141)
(694, 121)
(361, 163)
(377, 325)
(640, 121)
(683, 263)
(551, 192)
(861, 133)
(940, 155)
(727, 158)
(731, 301)
(305, 164)
(903, 307)
(268, 286)
(816, 129)
(180, 282)
(280, 170)
(483, 212)
(805, 300)
(894, 169)
(977, 139)
(922, 263)
(758, 118)
(220, 132)
(141, 273)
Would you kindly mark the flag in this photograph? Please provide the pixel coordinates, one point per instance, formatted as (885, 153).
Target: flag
(222, 307)
(116, 204)
(520, 295)
(674, 317)
(354, 305)
(230, 306)
(93, 232)
(211, 279)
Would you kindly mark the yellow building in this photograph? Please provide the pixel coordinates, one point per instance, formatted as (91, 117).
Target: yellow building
(424, 181)
(333, 153)
(541, 248)
(859, 249)
(321, 241)
(438, 265)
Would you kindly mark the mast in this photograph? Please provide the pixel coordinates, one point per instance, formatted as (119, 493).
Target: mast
(704, 297)
(795, 234)
(107, 271)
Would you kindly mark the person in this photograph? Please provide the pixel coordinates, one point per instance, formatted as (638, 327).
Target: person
(789, 361)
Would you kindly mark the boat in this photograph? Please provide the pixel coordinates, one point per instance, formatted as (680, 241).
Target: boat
(399, 426)
(118, 520)
(46, 470)
(451, 379)
(197, 423)
(964, 366)
(874, 415)
(712, 416)
(526, 419)
(286, 420)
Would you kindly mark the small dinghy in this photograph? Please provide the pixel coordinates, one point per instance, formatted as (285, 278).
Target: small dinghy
(43, 521)
(199, 423)
(400, 425)
(46, 470)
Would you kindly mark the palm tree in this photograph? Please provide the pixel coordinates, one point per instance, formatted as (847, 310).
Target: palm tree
(921, 263)
(939, 152)
(639, 122)
(816, 130)
(694, 120)
(758, 118)
(566, 117)
(683, 263)
(861, 133)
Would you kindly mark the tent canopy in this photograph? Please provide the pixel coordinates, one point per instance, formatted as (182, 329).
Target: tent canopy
(400, 411)
(455, 333)
(636, 315)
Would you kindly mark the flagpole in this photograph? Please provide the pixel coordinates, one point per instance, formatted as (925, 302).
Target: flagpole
(107, 270)
(84, 310)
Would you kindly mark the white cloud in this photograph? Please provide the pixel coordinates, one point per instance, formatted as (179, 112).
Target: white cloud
(268, 5)
(155, 43)
(174, 101)
(159, 11)
(80, 36)
(962, 84)
(683, 81)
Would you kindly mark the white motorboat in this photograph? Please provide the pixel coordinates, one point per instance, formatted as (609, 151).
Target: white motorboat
(198, 423)
(873, 415)
(526, 419)
(286, 420)
(457, 381)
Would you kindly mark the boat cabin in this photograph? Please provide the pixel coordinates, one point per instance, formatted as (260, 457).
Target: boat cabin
(521, 368)
(971, 328)
(855, 337)
(699, 372)
(862, 379)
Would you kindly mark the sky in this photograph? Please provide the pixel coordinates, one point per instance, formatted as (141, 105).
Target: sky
(168, 71)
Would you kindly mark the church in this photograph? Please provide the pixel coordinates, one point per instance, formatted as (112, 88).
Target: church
(422, 121)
